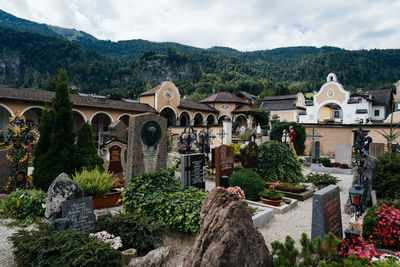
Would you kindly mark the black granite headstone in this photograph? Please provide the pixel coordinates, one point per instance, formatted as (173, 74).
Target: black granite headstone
(192, 170)
(326, 213)
(80, 214)
(316, 154)
(248, 155)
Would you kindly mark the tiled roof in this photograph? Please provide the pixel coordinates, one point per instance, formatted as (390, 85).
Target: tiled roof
(152, 91)
(44, 97)
(197, 106)
(243, 108)
(284, 102)
(381, 97)
(224, 97)
(245, 94)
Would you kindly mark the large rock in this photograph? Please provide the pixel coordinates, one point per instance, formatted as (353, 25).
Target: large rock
(61, 189)
(227, 236)
(369, 170)
(154, 258)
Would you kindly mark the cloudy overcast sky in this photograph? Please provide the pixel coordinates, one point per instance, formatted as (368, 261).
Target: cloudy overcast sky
(245, 25)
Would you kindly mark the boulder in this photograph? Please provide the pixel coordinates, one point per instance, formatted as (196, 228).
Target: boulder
(154, 258)
(227, 236)
(61, 189)
(369, 170)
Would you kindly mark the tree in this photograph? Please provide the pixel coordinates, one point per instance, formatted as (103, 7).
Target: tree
(61, 155)
(87, 149)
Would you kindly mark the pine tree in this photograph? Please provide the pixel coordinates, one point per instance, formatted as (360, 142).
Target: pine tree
(87, 149)
(61, 155)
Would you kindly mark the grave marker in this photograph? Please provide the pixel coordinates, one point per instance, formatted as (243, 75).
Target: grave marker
(115, 158)
(326, 213)
(248, 155)
(343, 154)
(192, 170)
(316, 152)
(224, 162)
(80, 214)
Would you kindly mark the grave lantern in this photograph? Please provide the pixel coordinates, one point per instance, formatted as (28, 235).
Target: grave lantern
(356, 194)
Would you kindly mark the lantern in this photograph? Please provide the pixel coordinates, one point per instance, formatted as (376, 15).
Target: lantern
(356, 195)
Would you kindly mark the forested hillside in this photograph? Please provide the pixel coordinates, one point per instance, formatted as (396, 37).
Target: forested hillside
(30, 53)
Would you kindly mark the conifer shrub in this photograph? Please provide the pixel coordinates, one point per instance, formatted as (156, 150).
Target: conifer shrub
(326, 162)
(95, 182)
(249, 181)
(62, 248)
(87, 149)
(386, 181)
(299, 130)
(278, 163)
(321, 180)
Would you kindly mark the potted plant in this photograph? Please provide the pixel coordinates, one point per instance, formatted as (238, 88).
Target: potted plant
(271, 196)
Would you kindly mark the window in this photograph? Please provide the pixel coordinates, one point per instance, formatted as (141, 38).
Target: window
(337, 114)
(376, 112)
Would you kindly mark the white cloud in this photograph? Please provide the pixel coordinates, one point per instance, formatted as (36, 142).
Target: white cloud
(244, 25)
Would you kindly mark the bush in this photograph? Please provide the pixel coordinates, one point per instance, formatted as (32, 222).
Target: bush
(300, 131)
(370, 222)
(326, 162)
(249, 181)
(87, 149)
(386, 181)
(278, 162)
(321, 180)
(236, 151)
(288, 187)
(271, 194)
(387, 233)
(63, 248)
(136, 231)
(159, 196)
(94, 182)
(25, 204)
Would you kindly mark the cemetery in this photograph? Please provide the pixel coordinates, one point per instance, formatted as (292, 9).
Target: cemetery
(144, 196)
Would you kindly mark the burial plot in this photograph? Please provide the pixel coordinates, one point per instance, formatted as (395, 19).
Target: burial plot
(192, 170)
(343, 154)
(224, 162)
(248, 155)
(115, 158)
(147, 144)
(326, 213)
(80, 214)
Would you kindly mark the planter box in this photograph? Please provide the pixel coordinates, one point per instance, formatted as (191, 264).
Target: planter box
(299, 196)
(263, 216)
(319, 168)
(109, 200)
(278, 209)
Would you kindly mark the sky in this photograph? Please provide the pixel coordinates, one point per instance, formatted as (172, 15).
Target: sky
(246, 25)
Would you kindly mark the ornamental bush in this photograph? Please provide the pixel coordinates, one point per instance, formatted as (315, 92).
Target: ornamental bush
(25, 204)
(94, 182)
(159, 196)
(87, 149)
(62, 248)
(249, 181)
(386, 181)
(136, 231)
(321, 180)
(299, 130)
(387, 232)
(278, 163)
(326, 162)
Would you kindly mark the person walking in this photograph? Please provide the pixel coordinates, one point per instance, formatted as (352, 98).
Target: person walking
(368, 140)
(292, 137)
(285, 137)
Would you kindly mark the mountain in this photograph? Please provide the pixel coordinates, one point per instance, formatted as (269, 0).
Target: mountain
(30, 53)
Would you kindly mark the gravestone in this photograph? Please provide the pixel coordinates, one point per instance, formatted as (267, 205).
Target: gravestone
(343, 154)
(80, 214)
(326, 213)
(192, 170)
(147, 144)
(315, 152)
(115, 158)
(212, 158)
(248, 155)
(224, 162)
(376, 149)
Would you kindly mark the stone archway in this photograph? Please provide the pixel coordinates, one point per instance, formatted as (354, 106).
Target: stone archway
(330, 113)
(184, 119)
(5, 115)
(198, 119)
(125, 119)
(100, 122)
(79, 119)
(170, 115)
(211, 120)
(241, 120)
(223, 117)
(32, 116)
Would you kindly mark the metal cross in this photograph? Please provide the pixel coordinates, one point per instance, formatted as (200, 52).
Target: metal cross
(314, 134)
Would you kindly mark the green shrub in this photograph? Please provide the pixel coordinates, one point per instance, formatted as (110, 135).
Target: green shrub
(271, 194)
(326, 162)
(136, 231)
(278, 163)
(288, 187)
(386, 181)
(87, 149)
(25, 204)
(249, 181)
(321, 180)
(63, 248)
(94, 182)
(236, 151)
(300, 131)
(159, 196)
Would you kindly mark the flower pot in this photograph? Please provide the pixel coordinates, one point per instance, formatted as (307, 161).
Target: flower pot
(109, 200)
(271, 202)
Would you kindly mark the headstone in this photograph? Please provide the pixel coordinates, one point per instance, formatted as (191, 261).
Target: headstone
(115, 158)
(343, 154)
(227, 236)
(212, 158)
(376, 149)
(224, 162)
(248, 155)
(316, 152)
(326, 213)
(373, 198)
(147, 144)
(61, 189)
(227, 130)
(80, 214)
(192, 170)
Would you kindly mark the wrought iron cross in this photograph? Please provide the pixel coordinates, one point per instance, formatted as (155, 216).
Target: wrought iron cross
(314, 135)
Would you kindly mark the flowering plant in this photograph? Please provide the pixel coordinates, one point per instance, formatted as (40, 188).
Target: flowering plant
(271, 193)
(115, 242)
(274, 185)
(388, 231)
(355, 245)
(237, 191)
